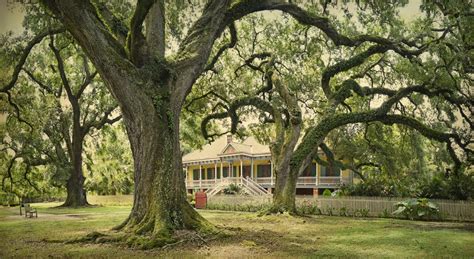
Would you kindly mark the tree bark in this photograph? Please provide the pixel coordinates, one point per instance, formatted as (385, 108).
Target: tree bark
(76, 194)
(287, 135)
(160, 204)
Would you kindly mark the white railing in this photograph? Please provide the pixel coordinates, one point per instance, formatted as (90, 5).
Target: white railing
(264, 180)
(254, 186)
(329, 180)
(304, 181)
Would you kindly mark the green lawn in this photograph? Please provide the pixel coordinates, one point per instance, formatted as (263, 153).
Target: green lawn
(270, 236)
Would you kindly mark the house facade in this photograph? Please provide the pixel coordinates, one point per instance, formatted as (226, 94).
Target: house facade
(248, 162)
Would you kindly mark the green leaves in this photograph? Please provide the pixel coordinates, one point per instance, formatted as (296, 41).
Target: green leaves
(420, 208)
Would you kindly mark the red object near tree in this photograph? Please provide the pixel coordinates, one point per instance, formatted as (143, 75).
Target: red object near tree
(201, 200)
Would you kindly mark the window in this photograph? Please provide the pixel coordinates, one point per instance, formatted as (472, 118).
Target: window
(330, 171)
(235, 171)
(264, 171)
(310, 171)
(210, 173)
(196, 174)
(225, 172)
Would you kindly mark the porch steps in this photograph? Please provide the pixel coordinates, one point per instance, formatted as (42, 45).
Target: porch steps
(247, 184)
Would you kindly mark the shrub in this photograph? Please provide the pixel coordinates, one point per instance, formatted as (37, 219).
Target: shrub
(329, 211)
(327, 193)
(361, 213)
(191, 199)
(384, 214)
(343, 212)
(232, 189)
(420, 208)
(307, 207)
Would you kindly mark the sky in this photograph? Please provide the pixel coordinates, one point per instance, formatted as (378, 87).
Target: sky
(11, 16)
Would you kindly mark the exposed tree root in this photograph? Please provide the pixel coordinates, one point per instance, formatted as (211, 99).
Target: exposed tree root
(146, 242)
(278, 210)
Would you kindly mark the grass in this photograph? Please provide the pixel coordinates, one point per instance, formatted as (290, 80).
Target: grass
(269, 236)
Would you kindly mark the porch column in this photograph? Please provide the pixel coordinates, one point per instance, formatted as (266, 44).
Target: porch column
(200, 177)
(215, 172)
(241, 170)
(340, 177)
(315, 193)
(318, 174)
(251, 168)
(222, 176)
(271, 172)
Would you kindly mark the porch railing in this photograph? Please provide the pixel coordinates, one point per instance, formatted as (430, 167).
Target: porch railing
(304, 181)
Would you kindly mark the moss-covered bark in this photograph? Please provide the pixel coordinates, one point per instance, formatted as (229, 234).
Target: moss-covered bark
(160, 206)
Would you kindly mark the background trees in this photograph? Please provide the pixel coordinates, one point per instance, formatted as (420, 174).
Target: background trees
(59, 101)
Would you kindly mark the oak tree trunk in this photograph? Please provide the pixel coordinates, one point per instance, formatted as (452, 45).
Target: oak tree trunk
(76, 194)
(285, 191)
(160, 205)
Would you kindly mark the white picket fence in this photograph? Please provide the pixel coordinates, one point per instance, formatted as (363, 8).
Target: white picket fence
(376, 206)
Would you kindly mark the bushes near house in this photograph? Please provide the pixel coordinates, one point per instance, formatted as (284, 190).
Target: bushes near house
(439, 186)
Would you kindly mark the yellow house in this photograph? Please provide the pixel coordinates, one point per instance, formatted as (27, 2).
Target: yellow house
(248, 163)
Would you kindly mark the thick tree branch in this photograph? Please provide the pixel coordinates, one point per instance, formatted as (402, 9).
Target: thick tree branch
(136, 40)
(61, 70)
(155, 29)
(195, 49)
(116, 26)
(231, 44)
(332, 161)
(232, 113)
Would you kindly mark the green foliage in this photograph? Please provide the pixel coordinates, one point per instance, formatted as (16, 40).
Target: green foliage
(327, 193)
(191, 198)
(109, 166)
(438, 186)
(308, 207)
(232, 189)
(343, 211)
(364, 212)
(420, 208)
(329, 210)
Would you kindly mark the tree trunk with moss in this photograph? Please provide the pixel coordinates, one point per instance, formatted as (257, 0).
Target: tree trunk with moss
(287, 129)
(160, 204)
